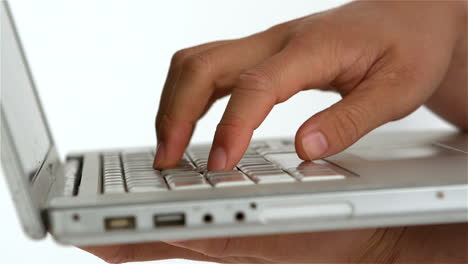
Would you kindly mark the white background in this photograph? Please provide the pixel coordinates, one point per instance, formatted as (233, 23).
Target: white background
(100, 65)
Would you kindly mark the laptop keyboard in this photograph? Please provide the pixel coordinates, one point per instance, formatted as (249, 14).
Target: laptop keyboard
(262, 164)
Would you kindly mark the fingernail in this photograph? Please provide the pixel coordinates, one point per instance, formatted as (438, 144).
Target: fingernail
(315, 144)
(217, 159)
(159, 157)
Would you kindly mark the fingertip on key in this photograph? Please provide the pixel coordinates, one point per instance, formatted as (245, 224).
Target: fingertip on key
(217, 159)
(159, 157)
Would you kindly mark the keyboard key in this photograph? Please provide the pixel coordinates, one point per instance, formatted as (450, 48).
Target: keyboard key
(173, 176)
(184, 166)
(255, 159)
(112, 173)
(114, 190)
(142, 170)
(257, 144)
(116, 183)
(175, 181)
(177, 171)
(146, 183)
(132, 180)
(259, 168)
(130, 177)
(200, 160)
(138, 160)
(147, 188)
(312, 165)
(189, 184)
(113, 176)
(145, 179)
(112, 185)
(228, 180)
(210, 174)
(275, 176)
(291, 160)
(131, 154)
(113, 181)
(112, 169)
(317, 175)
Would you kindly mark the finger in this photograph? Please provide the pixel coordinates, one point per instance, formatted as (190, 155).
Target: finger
(374, 102)
(317, 247)
(196, 84)
(144, 252)
(258, 90)
(174, 72)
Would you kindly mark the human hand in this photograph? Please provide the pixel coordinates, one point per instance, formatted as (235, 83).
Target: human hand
(386, 58)
(420, 244)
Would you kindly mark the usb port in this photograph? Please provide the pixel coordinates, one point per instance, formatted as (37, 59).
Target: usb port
(169, 220)
(119, 223)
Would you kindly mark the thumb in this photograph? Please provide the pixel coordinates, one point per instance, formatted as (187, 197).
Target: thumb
(364, 109)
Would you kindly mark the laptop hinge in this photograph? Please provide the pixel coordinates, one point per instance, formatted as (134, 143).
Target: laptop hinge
(68, 178)
(45, 219)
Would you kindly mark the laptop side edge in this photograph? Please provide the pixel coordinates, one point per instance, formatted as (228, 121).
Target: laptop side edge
(30, 177)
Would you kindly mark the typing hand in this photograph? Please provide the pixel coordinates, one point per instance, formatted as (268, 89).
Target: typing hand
(385, 58)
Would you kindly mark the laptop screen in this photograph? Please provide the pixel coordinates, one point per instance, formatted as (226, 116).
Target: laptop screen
(19, 103)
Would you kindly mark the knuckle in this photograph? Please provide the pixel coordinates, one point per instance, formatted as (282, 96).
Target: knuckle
(256, 81)
(324, 60)
(403, 82)
(232, 121)
(300, 42)
(170, 119)
(179, 56)
(279, 28)
(348, 124)
(198, 64)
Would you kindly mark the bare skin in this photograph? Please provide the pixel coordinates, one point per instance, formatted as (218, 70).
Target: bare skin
(386, 59)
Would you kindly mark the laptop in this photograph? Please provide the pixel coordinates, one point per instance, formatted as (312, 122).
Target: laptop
(115, 196)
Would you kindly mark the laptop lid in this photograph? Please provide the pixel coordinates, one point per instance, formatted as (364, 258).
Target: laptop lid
(28, 154)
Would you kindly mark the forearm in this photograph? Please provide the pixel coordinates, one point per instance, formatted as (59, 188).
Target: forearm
(450, 100)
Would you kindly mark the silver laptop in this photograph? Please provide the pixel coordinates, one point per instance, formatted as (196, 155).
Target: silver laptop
(115, 196)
